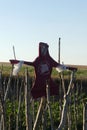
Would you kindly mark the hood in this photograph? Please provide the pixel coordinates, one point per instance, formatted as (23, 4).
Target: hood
(43, 49)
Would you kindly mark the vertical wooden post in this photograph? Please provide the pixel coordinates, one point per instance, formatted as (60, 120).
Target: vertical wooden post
(33, 110)
(59, 50)
(1, 108)
(65, 105)
(27, 102)
(84, 116)
(19, 105)
(48, 103)
(60, 96)
(8, 87)
(44, 120)
(3, 99)
(61, 80)
(75, 111)
(69, 113)
(38, 114)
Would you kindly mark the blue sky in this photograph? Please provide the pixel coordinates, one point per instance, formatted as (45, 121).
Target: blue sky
(25, 23)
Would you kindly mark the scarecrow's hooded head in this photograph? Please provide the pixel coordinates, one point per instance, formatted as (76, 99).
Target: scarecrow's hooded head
(43, 49)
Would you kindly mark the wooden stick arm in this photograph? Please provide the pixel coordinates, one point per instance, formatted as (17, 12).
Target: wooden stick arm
(71, 68)
(13, 61)
(62, 67)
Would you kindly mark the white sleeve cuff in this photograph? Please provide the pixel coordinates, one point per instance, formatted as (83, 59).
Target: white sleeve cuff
(17, 68)
(61, 68)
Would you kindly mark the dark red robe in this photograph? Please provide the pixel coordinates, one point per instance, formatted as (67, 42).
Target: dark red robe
(43, 65)
(43, 69)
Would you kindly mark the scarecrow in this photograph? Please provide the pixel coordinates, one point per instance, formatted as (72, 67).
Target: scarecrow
(43, 65)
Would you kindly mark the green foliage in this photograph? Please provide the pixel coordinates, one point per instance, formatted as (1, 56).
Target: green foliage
(82, 73)
(75, 106)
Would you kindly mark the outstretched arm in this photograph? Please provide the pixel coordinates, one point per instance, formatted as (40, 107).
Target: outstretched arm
(24, 62)
(62, 67)
(17, 64)
(71, 68)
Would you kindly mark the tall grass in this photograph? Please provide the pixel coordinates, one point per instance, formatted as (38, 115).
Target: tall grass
(6, 69)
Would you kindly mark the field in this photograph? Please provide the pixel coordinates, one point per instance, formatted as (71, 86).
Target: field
(81, 73)
(14, 107)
